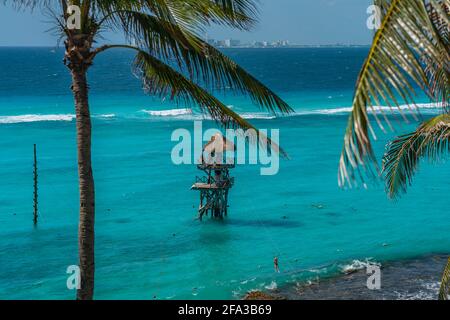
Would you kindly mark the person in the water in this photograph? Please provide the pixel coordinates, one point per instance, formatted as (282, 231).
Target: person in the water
(275, 264)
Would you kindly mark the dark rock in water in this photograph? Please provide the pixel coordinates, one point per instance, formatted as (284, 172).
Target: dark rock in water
(259, 295)
(332, 214)
(123, 220)
(351, 271)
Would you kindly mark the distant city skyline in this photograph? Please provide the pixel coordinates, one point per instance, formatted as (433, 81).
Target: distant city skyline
(236, 43)
(307, 22)
(304, 22)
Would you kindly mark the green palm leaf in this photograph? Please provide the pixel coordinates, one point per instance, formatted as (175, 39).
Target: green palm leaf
(431, 140)
(160, 79)
(411, 47)
(235, 13)
(201, 61)
(189, 14)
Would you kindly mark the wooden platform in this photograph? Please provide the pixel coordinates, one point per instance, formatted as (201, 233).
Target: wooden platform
(215, 166)
(205, 186)
(209, 186)
(215, 183)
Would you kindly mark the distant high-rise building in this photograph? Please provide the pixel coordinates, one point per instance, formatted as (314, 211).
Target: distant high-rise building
(235, 43)
(224, 43)
(260, 44)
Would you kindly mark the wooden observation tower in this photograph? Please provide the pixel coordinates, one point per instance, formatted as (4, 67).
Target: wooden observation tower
(216, 182)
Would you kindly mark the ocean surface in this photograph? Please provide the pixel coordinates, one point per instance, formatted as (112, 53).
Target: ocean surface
(148, 243)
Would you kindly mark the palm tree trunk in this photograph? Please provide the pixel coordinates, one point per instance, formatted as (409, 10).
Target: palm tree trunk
(86, 235)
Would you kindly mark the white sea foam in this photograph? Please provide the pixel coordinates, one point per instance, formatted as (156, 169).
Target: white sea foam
(237, 294)
(378, 109)
(106, 116)
(168, 113)
(356, 265)
(188, 114)
(28, 118)
(35, 118)
(430, 291)
(248, 280)
(272, 286)
(260, 116)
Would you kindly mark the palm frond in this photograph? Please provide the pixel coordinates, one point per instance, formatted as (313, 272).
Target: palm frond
(190, 15)
(444, 292)
(239, 14)
(201, 61)
(431, 140)
(161, 79)
(407, 51)
(439, 16)
(383, 5)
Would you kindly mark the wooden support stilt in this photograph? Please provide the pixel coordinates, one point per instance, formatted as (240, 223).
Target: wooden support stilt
(214, 188)
(35, 193)
(216, 182)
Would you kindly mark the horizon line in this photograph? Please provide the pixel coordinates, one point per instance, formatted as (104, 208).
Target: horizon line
(237, 47)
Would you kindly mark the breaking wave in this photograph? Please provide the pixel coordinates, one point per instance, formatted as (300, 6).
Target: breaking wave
(28, 118)
(189, 114)
(36, 118)
(429, 107)
(272, 286)
(357, 265)
(106, 116)
(169, 112)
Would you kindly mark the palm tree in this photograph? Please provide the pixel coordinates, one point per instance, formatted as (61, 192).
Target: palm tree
(171, 59)
(410, 49)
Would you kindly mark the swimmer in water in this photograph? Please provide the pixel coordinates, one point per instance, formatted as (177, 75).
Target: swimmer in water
(275, 264)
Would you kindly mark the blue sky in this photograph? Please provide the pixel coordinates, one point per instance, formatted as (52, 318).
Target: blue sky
(299, 21)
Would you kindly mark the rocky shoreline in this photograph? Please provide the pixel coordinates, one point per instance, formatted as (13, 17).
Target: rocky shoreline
(413, 279)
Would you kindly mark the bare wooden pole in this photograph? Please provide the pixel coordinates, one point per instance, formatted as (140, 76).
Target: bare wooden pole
(35, 194)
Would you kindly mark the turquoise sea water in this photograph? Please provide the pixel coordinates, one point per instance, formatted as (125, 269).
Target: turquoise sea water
(147, 242)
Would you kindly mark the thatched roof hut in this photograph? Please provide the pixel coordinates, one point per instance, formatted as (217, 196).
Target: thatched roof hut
(215, 151)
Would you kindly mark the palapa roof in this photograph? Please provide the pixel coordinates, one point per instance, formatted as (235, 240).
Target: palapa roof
(214, 152)
(218, 144)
